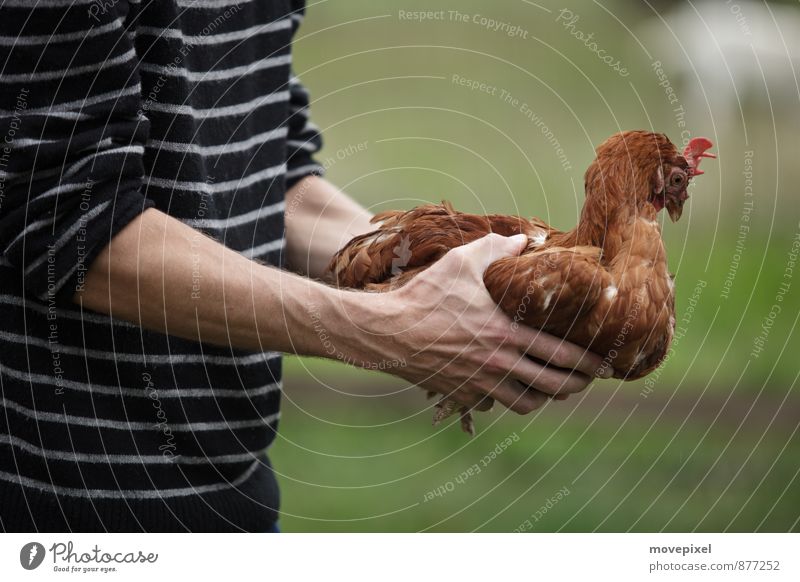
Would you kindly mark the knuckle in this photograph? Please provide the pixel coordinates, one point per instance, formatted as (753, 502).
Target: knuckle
(560, 357)
(476, 361)
(592, 360)
(455, 258)
(549, 383)
(494, 364)
(498, 331)
(587, 363)
(459, 251)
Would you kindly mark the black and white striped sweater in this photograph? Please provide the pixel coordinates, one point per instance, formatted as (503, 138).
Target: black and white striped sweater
(108, 107)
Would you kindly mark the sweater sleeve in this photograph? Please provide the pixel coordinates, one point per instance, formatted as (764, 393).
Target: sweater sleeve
(71, 165)
(304, 138)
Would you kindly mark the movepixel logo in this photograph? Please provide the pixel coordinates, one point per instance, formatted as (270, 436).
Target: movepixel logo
(31, 555)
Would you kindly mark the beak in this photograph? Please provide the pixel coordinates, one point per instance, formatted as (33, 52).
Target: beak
(694, 152)
(675, 209)
(674, 205)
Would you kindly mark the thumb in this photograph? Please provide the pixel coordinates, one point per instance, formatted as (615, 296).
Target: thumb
(493, 247)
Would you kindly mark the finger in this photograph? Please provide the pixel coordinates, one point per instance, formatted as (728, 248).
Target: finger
(547, 379)
(516, 397)
(562, 396)
(559, 352)
(490, 248)
(486, 403)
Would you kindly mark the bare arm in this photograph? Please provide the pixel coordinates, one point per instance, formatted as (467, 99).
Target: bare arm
(443, 326)
(169, 277)
(320, 219)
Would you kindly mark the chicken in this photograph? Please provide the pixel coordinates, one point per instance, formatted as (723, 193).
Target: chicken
(604, 285)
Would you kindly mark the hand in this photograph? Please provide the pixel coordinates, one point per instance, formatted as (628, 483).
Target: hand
(455, 340)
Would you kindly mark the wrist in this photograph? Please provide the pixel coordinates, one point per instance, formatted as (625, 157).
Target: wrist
(351, 326)
(355, 327)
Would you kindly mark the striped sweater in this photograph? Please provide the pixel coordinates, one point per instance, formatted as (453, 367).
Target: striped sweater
(108, 107)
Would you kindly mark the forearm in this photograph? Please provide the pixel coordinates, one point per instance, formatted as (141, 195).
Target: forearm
(320, 219)
(168, 277)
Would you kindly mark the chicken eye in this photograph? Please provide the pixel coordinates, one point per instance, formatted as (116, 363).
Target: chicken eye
(678, 179)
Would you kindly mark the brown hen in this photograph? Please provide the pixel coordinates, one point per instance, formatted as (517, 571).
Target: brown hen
(604, 285)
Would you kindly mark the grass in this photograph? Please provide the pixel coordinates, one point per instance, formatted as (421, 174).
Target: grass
(622, 471)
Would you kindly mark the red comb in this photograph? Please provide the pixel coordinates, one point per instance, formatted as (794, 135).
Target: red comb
(695, 150)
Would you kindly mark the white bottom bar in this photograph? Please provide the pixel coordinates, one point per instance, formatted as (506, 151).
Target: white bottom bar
(417, 557)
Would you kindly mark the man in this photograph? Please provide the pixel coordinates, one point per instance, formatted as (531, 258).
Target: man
(150, 151)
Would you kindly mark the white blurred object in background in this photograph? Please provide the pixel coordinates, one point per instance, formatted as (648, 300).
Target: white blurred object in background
(730, 59)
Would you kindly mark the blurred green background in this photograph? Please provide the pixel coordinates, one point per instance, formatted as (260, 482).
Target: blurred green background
(710, 443)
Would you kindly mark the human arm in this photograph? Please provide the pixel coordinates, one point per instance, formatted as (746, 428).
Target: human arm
(320, 219)
(443, 325)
